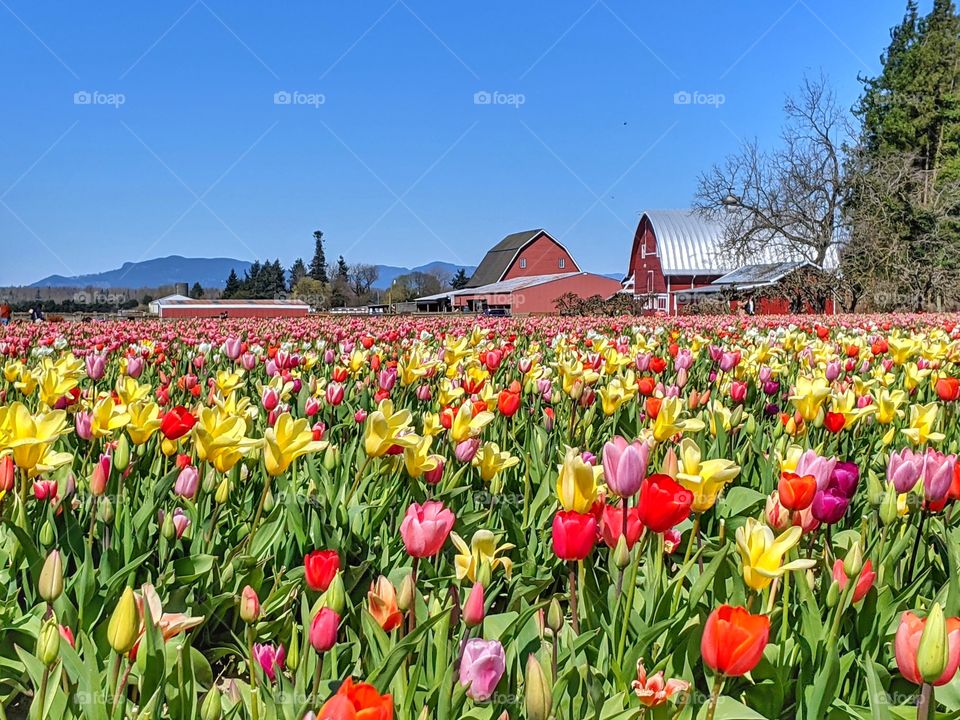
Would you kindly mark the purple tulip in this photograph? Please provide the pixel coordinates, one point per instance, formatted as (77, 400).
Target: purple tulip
(269, 658)
(96, 366)
(845, 477)
(481, 667)
(466, 450)
(82, 422)
(833, 370)
(771, 387)
(134, 366)
(820, 467)
(187, 482)
(625, 465)
(829, 505)
(683, 360)
(904, 469)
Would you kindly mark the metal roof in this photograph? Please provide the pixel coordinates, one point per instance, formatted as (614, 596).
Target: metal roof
(761, 273)
(500, 257)
(687, 243)
(504, 286)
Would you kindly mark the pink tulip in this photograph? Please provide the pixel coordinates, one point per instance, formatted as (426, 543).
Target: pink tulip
(269, 398)
(311, 407)
(625, 465)
(864, 580)
(82, 423)
(187, 482)
(481, 667)
(436, 475)
(323, 630)
(100, 475)
(96, 366)
(334, 393)
(360, 416)
(907, 642)
(248, 360)
(425, 528)
(473, 609)
(134, 366)
(904, 469)
(466, 450)
(820, 467)
(937, 474)
(270, 658)
(180, 522)
(232, 348)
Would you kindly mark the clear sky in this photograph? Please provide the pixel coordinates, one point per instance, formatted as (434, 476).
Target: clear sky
(408, 130)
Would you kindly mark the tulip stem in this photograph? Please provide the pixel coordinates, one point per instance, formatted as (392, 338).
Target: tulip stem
(926, 704)
(317, 675)
(574, 613)
(412, 620)
(256, 517)
(254, 699)
(356, 480)
(121, 686)
(41, 694)
(628, 606)
(714, 697)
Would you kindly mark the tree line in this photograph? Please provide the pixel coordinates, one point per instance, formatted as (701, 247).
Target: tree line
(340, 285)
(870, 195)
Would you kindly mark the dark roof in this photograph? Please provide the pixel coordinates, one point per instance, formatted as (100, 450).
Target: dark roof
(497, 260)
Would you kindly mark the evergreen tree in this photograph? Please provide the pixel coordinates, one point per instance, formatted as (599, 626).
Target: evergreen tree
(343, 272)
(460, 280)
(298, 271)
(318, 266)
(196, 291)
(233, 285)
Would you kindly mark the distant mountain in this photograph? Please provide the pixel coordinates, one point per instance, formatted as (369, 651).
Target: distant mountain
(389, 273)
(209, 272)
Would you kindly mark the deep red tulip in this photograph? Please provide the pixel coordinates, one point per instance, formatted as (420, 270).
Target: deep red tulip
(319, 568)
(177, 422)
(663, 503)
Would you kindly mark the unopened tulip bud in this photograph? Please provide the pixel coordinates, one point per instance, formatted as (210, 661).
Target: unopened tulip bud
(888, 507)
(933, 653)
(8, 473)
(331, 457)
(335, 596)
(323, 630)
(48, 642)
(722, 535)
(124, 625)
(750, 426)
(853, 562)
(50, 586)
(121, 455)
(212, 706)
(473, 609)
(292, 660)
(167, 527)
(249, 605)
(223, 491)
(47, 534)
(833, 594)
(537, 693)
(407, 594)
(105, 509)
(621, 553)
(670, 465)
(874, 489)
(484, 573)
(554, 616)
(424, 714)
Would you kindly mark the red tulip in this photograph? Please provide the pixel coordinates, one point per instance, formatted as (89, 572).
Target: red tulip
(319, 568)
(948, 389)
(834, 422)
(611, 527)
(663, 503)
(508, 403)
(864, 581)
(574, 534)
(733, 640)
(796, 492)
(177, 422)
(357, 702)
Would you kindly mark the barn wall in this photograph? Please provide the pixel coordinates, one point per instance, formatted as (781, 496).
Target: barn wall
(543, 257)
(542, 298)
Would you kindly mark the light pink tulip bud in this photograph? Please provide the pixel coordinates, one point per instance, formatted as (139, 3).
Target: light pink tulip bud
(187, 482)
(473, 609)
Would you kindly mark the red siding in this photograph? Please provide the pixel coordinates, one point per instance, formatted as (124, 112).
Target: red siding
(541, 299)
(542, 256)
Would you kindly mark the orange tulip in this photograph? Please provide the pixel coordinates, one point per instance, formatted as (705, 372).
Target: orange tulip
(359, 701)
(796, 491)
(383, 604)
(733, 640)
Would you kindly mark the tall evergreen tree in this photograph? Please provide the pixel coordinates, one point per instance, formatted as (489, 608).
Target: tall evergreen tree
(343, 271)
(318, 266)
(232, 286)
(196, 291)
(460, 279)
(298, 271)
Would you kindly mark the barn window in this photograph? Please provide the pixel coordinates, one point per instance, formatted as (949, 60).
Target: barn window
(649, 280)
(523, 263)
(563, 263)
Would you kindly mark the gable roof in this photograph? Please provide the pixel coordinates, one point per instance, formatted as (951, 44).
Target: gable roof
(499, 258)
(761, 274)
(688, 244)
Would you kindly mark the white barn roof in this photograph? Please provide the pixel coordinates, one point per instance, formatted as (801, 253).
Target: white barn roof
(687, 243)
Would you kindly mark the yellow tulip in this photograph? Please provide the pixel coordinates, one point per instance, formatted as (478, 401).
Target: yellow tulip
(144, 421)
(386, 428)
(706, 479)
(221, 439)
(466, 425)
(491, 460)
(130, 391)
(54, 385)
(615, 395)
(483, 550)
(228, 380)
(888, 405)
(107, 416)
(922, 420)
(30, 438)
(287, 440)
(418, 459)
(762, 553)
(808, 396)
(577, 482)
(668, 424)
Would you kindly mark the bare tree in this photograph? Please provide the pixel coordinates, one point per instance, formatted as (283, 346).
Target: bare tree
(362, 278)
(785, 203)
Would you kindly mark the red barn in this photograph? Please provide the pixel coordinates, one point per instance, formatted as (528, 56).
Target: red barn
(677, 258)
(178, 306)
(523, 273)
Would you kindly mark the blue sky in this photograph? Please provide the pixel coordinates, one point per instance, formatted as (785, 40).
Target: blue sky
(137, 130)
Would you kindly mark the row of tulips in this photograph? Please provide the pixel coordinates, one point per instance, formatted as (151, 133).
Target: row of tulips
(538, 518)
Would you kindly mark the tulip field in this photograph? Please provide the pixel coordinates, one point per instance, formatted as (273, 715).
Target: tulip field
(460, 517)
